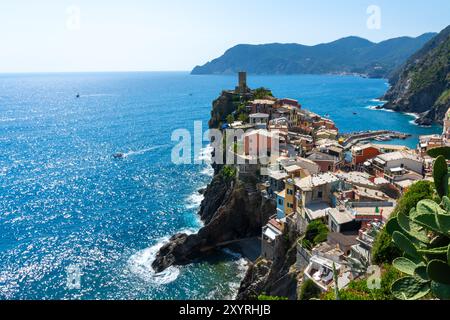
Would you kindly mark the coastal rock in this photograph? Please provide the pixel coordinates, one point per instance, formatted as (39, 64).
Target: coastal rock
(223, 106)
(422, 86)
(278, 278)
(239, 215)
(214, 196)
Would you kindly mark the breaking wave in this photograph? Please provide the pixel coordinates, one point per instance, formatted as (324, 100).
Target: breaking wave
(194, 200)
(140, 264)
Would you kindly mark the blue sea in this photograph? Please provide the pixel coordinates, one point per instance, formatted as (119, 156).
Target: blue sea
(69, 210)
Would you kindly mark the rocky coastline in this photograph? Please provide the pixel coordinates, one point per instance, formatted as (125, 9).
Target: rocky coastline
(232, 209)
(422, 85)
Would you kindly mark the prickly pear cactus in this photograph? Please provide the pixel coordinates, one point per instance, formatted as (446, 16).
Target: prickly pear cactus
(424, 238)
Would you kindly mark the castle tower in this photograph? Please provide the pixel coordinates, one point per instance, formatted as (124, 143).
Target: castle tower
(242, 87)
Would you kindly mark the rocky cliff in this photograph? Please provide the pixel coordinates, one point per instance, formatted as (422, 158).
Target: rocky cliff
(422, 85)
(230, 213)
(231, 209)
(278, 278)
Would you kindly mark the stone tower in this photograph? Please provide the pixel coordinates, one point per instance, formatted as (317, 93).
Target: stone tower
(242, 88)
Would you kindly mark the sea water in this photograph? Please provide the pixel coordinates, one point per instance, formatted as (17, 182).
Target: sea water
(75, 223)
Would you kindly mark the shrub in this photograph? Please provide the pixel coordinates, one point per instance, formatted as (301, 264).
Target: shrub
(384, 250)
(309, 290)
(230, 119)
(262, 93)
(316, 232)
(359, 290)
(229, 172)
(444, 151)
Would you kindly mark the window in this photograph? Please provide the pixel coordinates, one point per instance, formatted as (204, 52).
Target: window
(290, 192)
(280, 202)
(290, 206)
(320, 195)
(334, 227)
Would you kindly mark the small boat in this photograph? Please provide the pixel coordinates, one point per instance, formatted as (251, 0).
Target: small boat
(118, 155)
(78, 95)
(355, 113)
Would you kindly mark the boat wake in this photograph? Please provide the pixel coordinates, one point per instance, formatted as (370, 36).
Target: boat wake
(97, 95)
(141, 152)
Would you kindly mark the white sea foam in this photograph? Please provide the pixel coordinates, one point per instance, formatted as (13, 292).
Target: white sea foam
(205, 154)
(379, 101)
(377, 108)
(140, 264)
(208, 171)
(194, 200)
(242, 265)
(415, 116)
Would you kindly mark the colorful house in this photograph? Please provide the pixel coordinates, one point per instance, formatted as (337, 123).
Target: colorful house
(361, 154)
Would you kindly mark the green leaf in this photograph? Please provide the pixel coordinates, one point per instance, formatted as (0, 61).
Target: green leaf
(448, 255)
(446, 204)
(392, 226)
(427, 207)
(434, 251)
(415, 230)
(439, 271)
(440, 291)
(429, 221)
(410, 288)
(405, 244)
(443, 221)
(405, 265)
(421, 272)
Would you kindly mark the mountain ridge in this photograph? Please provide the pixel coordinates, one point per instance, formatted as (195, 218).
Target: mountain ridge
(422, 84)
(343, 56)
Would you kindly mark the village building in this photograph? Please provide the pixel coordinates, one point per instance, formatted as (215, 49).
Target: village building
(362, 251)
(259, 120)
(428, 142)
(272, 236)
(324, 259)
(261, 106)
(362, 153)
(392, 166)
(326, 162)
(446, 132)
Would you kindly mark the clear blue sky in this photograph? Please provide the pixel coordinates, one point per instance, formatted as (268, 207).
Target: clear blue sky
(119, 35)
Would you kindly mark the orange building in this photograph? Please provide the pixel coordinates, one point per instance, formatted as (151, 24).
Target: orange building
(361, 154)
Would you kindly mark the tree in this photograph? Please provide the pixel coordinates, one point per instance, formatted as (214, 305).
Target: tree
(262, 93)
(316, 232)
(243, 117)
(444, 151)
(230, 119)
